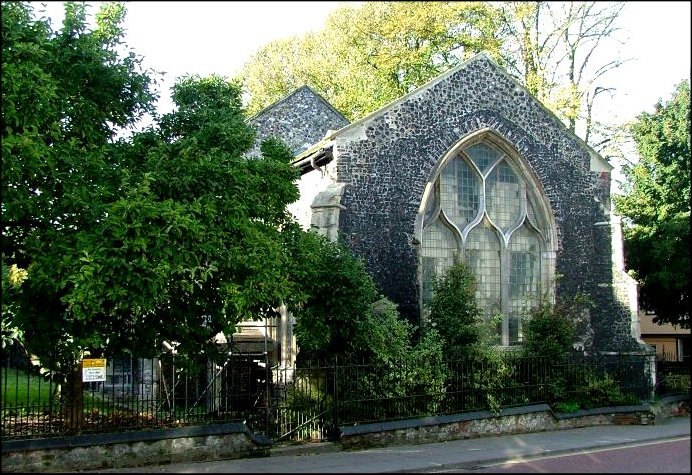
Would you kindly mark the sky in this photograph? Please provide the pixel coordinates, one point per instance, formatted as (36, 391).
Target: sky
(219, 37)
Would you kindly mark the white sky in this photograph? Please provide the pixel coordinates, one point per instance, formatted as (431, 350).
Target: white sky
(218, 37)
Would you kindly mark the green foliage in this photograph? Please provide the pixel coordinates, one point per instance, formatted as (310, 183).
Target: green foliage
(486, 383)
(333, 304)
(454, 312)
(549, 333)
(170, 234)
(412, 375)
(656, 208)
(65, 93)
(342, 315)
(480, 372)
(583, 385)
(186, 243)
(371, 54)
(673, 376)
(604, 391)
(12, 278)
(675, 383)
(549, 329)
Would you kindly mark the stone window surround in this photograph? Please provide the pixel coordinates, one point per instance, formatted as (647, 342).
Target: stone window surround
(548, 254)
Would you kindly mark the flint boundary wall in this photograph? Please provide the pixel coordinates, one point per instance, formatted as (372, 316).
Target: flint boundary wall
(235, 440)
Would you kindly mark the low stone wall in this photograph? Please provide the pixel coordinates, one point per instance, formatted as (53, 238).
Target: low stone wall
(133, 449)
(673, 406)
(539, 417)
(235, 440)
(450, 427)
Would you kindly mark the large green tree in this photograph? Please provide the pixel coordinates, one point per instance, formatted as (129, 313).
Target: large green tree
(370, 54)
(656, 208)
(65, 94)
(169, 234)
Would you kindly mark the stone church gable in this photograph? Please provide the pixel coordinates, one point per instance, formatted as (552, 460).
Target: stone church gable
(300, 119)
(374, 174)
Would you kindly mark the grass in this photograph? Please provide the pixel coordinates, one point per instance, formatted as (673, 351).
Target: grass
(24, 393)
(566, 407)
(20, 389)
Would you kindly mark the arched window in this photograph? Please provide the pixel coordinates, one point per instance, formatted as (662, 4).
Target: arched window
(484, 208)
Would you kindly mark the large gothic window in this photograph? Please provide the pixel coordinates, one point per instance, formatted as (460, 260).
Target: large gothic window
(483, 209)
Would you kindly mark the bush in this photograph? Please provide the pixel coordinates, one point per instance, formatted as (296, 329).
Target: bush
(406, 379)
(454, 312)
(549, 329)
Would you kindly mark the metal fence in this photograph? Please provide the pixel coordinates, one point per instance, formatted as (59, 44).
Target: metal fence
(311, 401)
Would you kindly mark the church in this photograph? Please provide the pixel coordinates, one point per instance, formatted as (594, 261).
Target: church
(468, 166)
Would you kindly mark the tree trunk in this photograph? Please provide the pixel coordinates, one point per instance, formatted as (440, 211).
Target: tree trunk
(74, 401)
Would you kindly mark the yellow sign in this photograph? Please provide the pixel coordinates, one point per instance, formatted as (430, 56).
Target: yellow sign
(94, 363)
(94, 370)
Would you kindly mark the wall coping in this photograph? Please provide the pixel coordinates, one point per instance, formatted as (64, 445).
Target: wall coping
(437, 420)
(84, 440)
(374, 427)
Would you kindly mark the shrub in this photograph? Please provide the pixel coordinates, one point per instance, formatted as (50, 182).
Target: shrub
(454, 312)
(406, 379)
(549, 329)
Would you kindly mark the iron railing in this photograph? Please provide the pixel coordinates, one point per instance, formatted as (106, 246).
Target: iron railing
(311, 401)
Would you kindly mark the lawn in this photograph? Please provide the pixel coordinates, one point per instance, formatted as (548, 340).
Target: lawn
(22, 390)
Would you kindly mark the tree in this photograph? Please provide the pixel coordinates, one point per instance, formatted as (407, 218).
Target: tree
(454, 311)
(550, 328)
(552, 47)
(369, 55)
(169, 234)
(185, 243)
(656, 207)
(335, 298)
(64, 95)
(340, 314)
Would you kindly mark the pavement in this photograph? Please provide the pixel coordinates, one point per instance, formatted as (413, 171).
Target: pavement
(465, 454)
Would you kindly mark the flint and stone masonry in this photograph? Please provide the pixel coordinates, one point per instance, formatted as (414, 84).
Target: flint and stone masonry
(365, 182)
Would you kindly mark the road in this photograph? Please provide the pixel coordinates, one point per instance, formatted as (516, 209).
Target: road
(668, 456)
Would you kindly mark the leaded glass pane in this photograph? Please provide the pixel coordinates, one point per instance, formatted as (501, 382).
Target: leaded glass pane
(482, 254)
(438, 248)
(534, 217)
(483, 155)
(503, 196)
(459, 190)
(524, 277)
(508, 277)
(431, 206)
